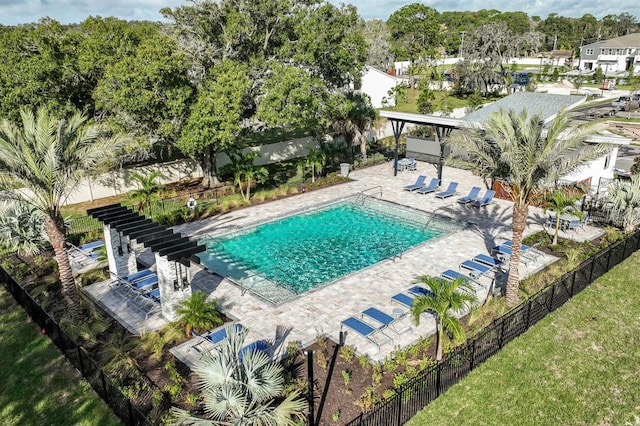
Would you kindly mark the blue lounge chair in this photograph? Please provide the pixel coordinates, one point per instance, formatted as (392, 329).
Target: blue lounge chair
(383, 319)
(475, 269)
(451, 275)
(420, 291)
(490, 261)
(433, 185)
(449, 192)
(147, 282)
(473, 195)
(257, 346)
(419, 183)
(403, 299)
(366, 331)
(486, 200)
(216, 337)
(89, 247)
(529, 251)
(139, 275)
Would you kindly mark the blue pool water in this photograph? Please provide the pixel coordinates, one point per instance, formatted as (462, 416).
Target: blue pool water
(287, 257)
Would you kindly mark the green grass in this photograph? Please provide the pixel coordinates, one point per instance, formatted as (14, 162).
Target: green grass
(578, 366)
(37, 385)
(412, 106)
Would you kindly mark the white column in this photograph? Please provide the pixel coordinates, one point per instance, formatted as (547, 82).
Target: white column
(173, 282)
(122, 260)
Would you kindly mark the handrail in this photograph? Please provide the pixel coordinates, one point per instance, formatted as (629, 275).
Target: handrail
(371, 189)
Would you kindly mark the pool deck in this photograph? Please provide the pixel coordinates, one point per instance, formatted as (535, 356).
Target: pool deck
(320, 312)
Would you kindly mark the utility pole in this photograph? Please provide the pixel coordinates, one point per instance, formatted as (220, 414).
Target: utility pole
(462, 33)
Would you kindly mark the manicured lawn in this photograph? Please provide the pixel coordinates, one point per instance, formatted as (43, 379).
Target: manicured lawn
(37, 385)
(578, 366)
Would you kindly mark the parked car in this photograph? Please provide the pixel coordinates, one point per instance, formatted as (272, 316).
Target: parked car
(627, 103)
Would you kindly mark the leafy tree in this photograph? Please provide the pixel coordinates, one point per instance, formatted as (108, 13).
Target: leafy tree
(149, 189)
(448, 299)
(22, 229)
(214, 123)
(425, 98)
(518, 148)
(416, 33)
(377, 36)
(147, 94)
(560, 201)
(196, 313)
(48, 157)
(624, 197)
(241, 392)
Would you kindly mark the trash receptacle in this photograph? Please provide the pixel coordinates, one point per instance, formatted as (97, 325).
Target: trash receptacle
(344, 169)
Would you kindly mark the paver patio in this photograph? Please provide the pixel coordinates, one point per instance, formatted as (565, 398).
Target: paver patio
(321, 311)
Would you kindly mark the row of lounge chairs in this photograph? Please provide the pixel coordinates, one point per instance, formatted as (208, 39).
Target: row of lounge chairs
(140, 291)
(472, 199)
(373, 323)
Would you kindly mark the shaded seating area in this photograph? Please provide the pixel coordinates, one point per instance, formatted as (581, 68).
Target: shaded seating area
(433, 185)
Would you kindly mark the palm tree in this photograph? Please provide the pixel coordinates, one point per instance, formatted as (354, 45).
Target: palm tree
(625, 199)
(354, 119)
(244, 171)
(315, 160)
(149, 189)
(449, 298)
(22, 229)
(42, 164)
(241, 392)
(530, 157)
(561, 201)
(195, 313)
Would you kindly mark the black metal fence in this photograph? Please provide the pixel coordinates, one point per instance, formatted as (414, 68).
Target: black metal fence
(121, 405)
(426, 387)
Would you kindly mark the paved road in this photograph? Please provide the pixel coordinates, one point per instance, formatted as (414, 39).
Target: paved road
(626, 155)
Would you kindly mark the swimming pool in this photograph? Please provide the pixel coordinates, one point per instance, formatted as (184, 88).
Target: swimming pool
(281, 259)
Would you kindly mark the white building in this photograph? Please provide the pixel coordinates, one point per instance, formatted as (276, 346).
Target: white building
(377, 85)
(613, 56)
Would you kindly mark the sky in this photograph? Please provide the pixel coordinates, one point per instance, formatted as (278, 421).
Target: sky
(14, 12)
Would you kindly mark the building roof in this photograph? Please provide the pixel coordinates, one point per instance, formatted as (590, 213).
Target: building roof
(546, 104)
(629, 40)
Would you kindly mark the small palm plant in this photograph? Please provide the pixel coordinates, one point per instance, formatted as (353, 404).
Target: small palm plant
(22, 229)
(562, 201)
(315, 160)
(196, 313)
(449, 299)
(624, 196)
(149, 191)
(245, 172)
(241, 392)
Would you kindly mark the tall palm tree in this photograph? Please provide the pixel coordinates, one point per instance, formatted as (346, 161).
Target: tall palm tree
(149, 190)
(625, 199)
(561, 201)
(241, 392)
(42, 164)
(354, 119)
(519, 148)
(449, 299)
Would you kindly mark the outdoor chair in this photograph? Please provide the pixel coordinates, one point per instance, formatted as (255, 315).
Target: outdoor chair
(449, 192)
(403, 299)
(419, 183)
(384, 320)
(475, 269)
(486, 200)
(418, 290)
(413, 166)
(215, 338)
(368, 332)
(473, 195)
(433, 185)
(257, 346)
(487, 260)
